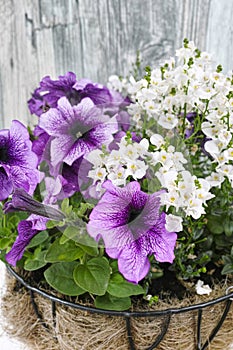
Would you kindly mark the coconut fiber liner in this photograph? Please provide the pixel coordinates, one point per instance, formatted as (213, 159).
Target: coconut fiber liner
(74, 329)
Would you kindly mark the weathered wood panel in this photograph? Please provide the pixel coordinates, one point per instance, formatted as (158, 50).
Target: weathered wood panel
(99, 38)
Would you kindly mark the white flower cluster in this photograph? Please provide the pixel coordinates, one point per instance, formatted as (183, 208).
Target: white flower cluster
(119, 164)
(183, 190)
(118, 84)
(188, 85)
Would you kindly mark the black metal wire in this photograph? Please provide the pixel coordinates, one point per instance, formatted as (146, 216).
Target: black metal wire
(128, 315)
(35, 308)
(199, 319)
(160, 337)
(129, 333)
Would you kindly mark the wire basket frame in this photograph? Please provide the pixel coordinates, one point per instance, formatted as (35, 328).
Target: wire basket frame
(129, 315)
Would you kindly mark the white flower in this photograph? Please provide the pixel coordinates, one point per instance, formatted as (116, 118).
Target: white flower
(128, 151)
(137, 169)
(163, 158)
(97, 174)
(202, 288)
(173, 223)
(157, 140)
(213, 147)
(170, 199)
(95, 157)
(167, 178)
(204, 195)
(118, 176)
(229, 153)
(226, 170)
(117, 84)
(194, 208)
(168, 121)
(215, 179)
(142, 147)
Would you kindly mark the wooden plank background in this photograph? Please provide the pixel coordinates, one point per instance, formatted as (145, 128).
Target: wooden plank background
(96, 38)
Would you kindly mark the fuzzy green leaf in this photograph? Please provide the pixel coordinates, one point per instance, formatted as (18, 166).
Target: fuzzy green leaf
(109, 302)
(5, 242)
(93, 276)
(120, 288)
(215, 224)
(60, 277)
(35, 263)
(38, 239)
(68, 251)
(227, 269)
(79, 234)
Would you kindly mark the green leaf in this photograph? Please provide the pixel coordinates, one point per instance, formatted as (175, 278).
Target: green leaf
(66, 207)
(114, 266)
(38, 239)
(93, 251)
(5, 242)
(51, 224)
(228, 269)
(63, 252)
(109, 302)
(36, 262)
(93, 276)
(79, 234)
(60, 277)
(6, 232)
(74, 233)
(215, 225)
(228, 227)
(120, 288)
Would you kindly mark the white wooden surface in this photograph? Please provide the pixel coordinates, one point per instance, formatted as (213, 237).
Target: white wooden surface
(7, 343)
(99, 38)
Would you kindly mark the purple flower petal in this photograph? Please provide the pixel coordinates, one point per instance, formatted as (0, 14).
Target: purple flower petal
(6, 186)
(133, 262)
(26, 233)
(40, 145)
(57, 121)
(59, 147)
(161, 242)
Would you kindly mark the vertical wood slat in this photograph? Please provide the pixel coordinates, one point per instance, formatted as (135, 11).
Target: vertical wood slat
(98, 38)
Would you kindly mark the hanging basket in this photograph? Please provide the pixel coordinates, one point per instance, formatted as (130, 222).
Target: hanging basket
(45, 321)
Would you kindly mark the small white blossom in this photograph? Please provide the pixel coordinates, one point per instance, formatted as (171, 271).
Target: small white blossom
(202, 288)
(157, 140)
(173, 223)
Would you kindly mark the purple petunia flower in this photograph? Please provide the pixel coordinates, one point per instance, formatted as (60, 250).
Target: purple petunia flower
(27, 229)
(50, 91)
(76, 130)
(132, 228)
(17, 161)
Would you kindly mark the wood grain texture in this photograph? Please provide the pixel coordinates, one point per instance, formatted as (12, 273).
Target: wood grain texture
(98, 38)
